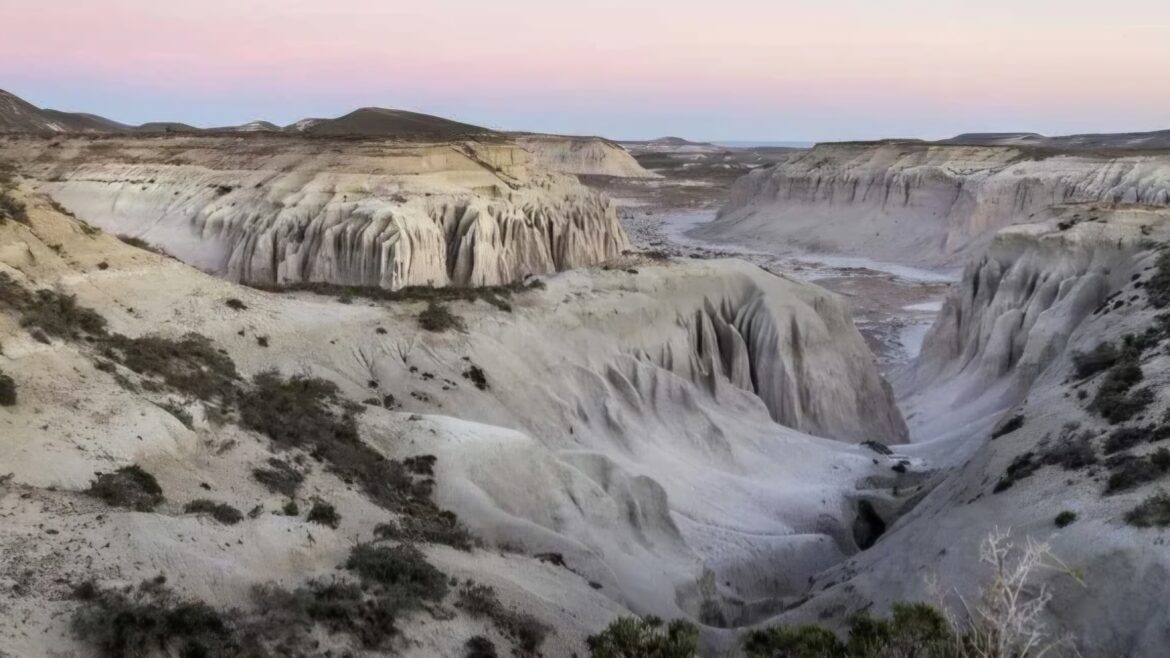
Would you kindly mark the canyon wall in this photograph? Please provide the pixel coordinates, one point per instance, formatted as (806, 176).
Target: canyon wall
(273, 211)
(925, 204)
(1009, 432)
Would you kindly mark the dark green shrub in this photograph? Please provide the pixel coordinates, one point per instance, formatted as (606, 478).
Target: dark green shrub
(323, 513)
(1126, 407)
(1065, 518)
(191, 364)
(402, 567)
(1073, 451)
(279, 477)
(1125, 438)
(1112, 401)
(7, 390)
(1153, 512)
(914, 629)
(222, 512)
(151, 620)
(1158, 287)
(235, 304)
(1102, 357)
(526, 630)
(648, 637)
(1022, 466)
(129, 487)
(1012, 424)
(480, 647)
(59, 315)
(437, 527)
(303, 412)
(477, 377)
(806, 641)
(10, 207)
(1132, 472)
(290, 508)
(438, 318)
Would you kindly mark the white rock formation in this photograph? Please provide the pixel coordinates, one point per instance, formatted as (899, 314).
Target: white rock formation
(583, 156)
(1003, 347)
(273, 211)
(634, 422)
(925, 204)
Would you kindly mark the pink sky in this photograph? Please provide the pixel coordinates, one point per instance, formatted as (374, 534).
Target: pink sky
(746, 69)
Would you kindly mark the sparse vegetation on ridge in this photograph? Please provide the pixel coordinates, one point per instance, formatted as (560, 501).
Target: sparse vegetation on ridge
(7, 390)
(1153, 512)
(438, 318)
(526, 630)
(10, 207)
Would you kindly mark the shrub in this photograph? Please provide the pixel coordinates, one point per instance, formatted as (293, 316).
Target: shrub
(148, 620)
(191, 364)
(628, 637)
(279, 477)
(805, 641)
(879, 448)
(1065, 518)
(325, 514)
(480, 647)
(7, 390)
(439, 527)
(401, 567)
(1102, 357)
(304, 412)
(438, 318)
(140, 244)
(59, 315)
(1022, 466)
(1158, 287)
(1153, 512)
(290, 508)
(477, 377)
(526, 630)
(235, 304)
(1132, 472)
(129, 487)
(222, 512)
(1014, 423)
(1112, 401)
(1074, 451)
(1124, 438)
(10, 207)
(914, 629)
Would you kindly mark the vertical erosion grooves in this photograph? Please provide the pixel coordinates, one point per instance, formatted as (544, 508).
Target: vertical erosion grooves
(1018, 305)
(806, 364)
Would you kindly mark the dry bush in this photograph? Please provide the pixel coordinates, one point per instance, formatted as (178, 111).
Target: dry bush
(526, 630)
(222, 512)
(130, 487)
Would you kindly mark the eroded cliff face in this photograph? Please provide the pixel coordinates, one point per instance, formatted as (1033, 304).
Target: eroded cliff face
(1005, 349)
(273, 211)
(925, 204)
(592, 156)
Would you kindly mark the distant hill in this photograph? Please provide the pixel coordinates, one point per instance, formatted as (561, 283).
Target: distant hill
(381, 122)
(1159, 139)
(20, 116)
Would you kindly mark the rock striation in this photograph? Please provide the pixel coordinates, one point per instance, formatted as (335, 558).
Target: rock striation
(274, 211)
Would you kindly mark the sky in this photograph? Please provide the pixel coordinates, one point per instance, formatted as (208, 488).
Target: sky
(760, 70)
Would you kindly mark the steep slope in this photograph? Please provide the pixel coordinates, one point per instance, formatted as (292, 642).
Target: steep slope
(1015, 425)
(920, 203)
(622, 422)
(591, 156)
(281, 210)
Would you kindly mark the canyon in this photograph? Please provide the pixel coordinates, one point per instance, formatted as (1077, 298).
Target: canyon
(624, 417)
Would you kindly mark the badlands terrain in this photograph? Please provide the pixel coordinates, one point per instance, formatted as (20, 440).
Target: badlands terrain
(393, 385)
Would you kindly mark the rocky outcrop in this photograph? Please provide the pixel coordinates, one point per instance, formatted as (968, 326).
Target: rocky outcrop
(274, 211)
(926, 204)
(592, 156)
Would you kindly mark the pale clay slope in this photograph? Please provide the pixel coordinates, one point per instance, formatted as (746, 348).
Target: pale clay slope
(583, 156)
(616, 430)
(1003, 346)
(921, 204)
(277, 211)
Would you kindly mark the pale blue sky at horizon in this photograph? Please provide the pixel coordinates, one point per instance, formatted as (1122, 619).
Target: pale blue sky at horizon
(733, 70)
